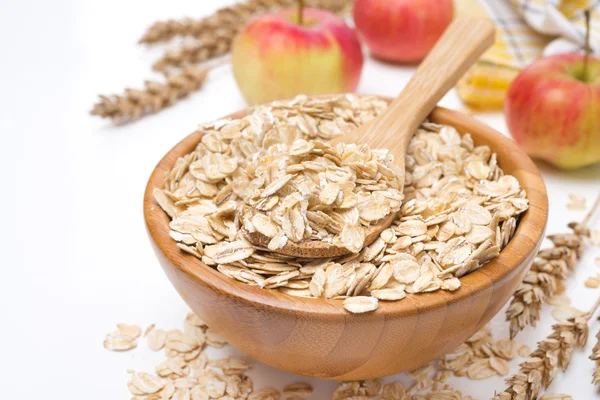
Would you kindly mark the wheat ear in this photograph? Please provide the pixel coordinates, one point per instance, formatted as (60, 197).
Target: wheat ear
(549, 269)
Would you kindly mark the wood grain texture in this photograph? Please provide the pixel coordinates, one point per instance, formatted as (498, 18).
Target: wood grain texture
(447, 62)
(317, 337)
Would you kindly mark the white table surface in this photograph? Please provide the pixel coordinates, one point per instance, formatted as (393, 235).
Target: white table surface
(76, 258)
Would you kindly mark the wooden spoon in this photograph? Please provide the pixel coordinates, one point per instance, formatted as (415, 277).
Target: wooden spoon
(459, 47)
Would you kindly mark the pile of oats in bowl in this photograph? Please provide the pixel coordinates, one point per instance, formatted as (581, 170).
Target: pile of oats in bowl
(273, 172)
(312, 190)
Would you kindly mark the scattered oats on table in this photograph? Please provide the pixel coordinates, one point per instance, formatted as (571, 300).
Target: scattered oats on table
(156, 339)
(559, 300)
(480, 357)
(553, 396)
(428, 385)
(188, 374)
(273, 172)
(149, 329)
(576, 202)
(592, 282)
(564, 313)
(524, 351)
(595, 237)
(297, 390)
(123, 339)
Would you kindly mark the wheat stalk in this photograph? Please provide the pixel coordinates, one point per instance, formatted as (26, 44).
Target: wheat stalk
(215, 34)
(154, 97)
(596, 357)
(193, 53)
(549, 269)
(552, 353)
(230, 18)
(239, 13)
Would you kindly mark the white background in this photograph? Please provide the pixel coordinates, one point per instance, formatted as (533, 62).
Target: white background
(75, 256)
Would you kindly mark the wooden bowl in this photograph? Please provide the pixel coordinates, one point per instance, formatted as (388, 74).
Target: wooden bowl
(317, 337)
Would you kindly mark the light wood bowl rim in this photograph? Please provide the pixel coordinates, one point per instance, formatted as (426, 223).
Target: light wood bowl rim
(528, 234)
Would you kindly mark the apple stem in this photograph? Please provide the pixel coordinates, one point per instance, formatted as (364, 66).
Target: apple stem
(300, 13)
(588, 49)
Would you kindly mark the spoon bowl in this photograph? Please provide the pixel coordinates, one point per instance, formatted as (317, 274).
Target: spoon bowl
(316, 248)
(318, 337)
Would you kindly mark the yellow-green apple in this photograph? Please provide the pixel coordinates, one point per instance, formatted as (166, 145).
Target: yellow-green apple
(401, 30)
(276, 57)
(553, 110)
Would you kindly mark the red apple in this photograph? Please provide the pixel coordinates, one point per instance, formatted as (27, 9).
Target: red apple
(553, 111)
(275, 57)
(401, 30)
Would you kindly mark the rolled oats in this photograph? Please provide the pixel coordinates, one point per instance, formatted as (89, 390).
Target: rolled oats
(181, 394)
(117, 342)
(180, 342)
(481, 369)
(123, 339)
(524, 351)
(595, 237)
(156, 339)
(273, 172)
(388, 294)
(214, 340)
(149, 329)
(480, 357)
(552, 396)
(350, 186)
(592, 282)
(298, 390)
(188, 374)
(499, 365)
(360, 304)
(576, 202)
(393, 390)
(563, 313)
(559, 300)
(133, 331)
(265, 394)
(142, 383)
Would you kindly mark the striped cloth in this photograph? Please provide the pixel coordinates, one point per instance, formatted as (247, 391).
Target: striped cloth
(526, 30)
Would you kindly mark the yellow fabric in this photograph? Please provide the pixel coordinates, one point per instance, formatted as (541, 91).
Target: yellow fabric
(517, 44)
(570, 7)
(484, 87)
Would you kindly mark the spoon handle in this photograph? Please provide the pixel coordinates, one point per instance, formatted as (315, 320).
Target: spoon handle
(459, 47)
